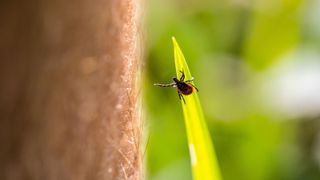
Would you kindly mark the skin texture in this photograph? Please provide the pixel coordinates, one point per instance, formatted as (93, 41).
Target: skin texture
(69, 92)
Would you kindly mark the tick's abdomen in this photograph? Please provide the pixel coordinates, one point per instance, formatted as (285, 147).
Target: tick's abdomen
(184, 88)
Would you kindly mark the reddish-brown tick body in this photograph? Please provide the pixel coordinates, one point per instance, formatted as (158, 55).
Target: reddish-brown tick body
(183, 87)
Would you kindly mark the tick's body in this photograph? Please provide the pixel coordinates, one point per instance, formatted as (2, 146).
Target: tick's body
(183, 87)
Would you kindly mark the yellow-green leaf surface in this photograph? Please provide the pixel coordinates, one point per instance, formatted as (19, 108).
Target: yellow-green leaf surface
(202, 154)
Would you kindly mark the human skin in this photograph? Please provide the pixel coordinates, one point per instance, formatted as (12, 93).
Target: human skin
(69, 92)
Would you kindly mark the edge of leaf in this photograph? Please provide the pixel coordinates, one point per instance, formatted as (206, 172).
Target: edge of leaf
(203, 160)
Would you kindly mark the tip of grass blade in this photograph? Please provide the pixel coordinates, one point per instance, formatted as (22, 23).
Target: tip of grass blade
(203, 159)
(180, 61)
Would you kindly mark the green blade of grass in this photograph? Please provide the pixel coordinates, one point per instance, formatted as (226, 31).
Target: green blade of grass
(202, 154)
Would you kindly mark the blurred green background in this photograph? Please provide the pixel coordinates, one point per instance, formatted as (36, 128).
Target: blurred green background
(257, 66)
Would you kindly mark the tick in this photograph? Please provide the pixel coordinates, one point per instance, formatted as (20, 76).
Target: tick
(183, 87)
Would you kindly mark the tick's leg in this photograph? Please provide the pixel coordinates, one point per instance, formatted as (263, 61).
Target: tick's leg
(166, 85)
(182, 76)
(181, 97)
(190, 80)
(194, 87)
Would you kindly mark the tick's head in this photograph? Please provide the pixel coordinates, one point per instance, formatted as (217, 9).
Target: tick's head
(175, 80)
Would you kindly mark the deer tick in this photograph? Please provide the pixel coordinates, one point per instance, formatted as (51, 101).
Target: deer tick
(183, 87)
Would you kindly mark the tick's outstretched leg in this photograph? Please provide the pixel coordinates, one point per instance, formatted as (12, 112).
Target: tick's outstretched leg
(182, 76)
(166, 85)
(190, 80)
(181, 97)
